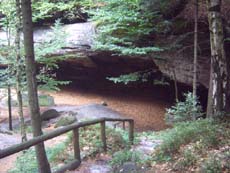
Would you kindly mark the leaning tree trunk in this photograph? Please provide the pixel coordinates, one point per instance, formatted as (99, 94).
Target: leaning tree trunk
(43, 164)
(218, 100)
(19, 71)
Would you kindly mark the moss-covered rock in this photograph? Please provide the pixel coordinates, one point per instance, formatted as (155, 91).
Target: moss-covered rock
(66, 120)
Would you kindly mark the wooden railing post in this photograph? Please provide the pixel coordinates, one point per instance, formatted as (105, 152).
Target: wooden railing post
(131, 131)
(76, 144)
(103, 136)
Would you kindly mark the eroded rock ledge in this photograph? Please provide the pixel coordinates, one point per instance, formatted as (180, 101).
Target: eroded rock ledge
(84, 65)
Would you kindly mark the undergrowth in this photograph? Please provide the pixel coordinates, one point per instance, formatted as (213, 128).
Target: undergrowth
(90, 144)
(201, 145)
(26, 162)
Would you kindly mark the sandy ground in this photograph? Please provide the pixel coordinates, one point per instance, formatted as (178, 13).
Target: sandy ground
(147, 111)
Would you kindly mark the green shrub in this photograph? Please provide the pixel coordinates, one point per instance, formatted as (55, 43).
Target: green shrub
(205, 131)
(212, 165)
(189, 158)
(188, 110)
(26, 162)
(90, 140)
(123, 156)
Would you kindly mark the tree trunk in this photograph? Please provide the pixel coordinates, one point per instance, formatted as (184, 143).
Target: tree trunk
(227, 91)
(8, 35)
(43, 164)
(9, 108)
(195, 50)
(19, 71)
(175, 85)
(219, 83)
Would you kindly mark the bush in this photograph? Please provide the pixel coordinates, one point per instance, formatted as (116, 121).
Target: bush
(121, 157)
(205, 131)
(26, 162)
(212, 165)
(189, 158)
(91, 144)
(188, 110)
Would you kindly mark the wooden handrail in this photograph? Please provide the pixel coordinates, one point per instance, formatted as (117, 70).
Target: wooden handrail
(75, 128)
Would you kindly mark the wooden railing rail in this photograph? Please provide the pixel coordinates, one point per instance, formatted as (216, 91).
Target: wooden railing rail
(75, 128)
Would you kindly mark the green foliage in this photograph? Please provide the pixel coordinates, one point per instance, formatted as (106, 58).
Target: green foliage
(140, 76)
(45, 100)
(48, 8)
(188, 110)
(7, 46)
(48, 83)
(26, 162)
(131, 77)
(212, 165)
(205, 131)
(189, 158)
(90, 140)
(124, 28)
(54, 42)
(7, 8)
(120, 157)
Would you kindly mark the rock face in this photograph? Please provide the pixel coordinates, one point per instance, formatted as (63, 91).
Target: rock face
(85, 66)
(77, 35)
(182, 65)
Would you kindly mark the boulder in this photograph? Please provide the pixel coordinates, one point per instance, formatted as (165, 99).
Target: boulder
(104, 103)
(49, 114)
(128, 167)
(66, 119)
